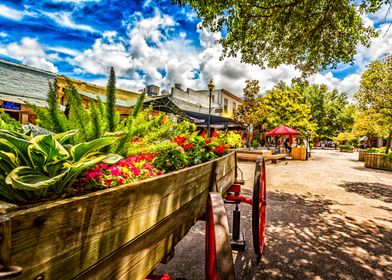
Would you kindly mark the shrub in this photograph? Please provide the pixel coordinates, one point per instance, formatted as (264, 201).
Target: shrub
(346, 147)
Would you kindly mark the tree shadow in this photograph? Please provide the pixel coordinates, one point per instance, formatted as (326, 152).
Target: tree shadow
(370, 190)
(363, 168)
(306, 239)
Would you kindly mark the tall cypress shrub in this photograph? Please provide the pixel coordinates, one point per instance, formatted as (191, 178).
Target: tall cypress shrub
(111, 113)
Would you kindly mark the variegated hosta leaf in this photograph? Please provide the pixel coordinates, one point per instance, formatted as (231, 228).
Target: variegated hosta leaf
(27, 178)
(16, 144)
(84, 149)
(15, 134)
(77, 167)
(8, 158)
(64, 136)
(112, 159)
(45, 150)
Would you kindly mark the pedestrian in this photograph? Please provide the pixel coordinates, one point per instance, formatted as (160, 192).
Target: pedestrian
(287, 146)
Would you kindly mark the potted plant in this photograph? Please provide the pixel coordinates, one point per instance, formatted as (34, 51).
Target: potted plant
(346, 148)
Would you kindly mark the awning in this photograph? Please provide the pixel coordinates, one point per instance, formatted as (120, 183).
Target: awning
(23, 100)
(201, 120)
(283, 130)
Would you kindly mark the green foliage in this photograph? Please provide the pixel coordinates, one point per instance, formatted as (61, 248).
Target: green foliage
(346, 138)
(375, 94)
(285, 106)
(233, 139)
(253, 110)
(79, 117)
(346, 147)
(170, 157)
(311, 35)
(55, 115)
(9, 123)
(255, 144)
(41, 167)
(329, 110)
(111, 112)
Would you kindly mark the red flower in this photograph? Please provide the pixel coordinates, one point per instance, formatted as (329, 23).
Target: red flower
(208, 141)
(219, 150)
(108, 182)
(187, 146)
(136, 140)
(203, 134)
(120, 181)
(179, 140)
(214, 134)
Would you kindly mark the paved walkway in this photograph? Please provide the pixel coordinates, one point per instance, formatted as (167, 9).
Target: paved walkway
(328, 218)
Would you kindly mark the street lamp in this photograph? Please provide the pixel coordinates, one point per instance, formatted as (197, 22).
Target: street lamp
(211, 88)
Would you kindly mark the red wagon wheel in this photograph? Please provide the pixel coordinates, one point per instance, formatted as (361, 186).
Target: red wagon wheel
(259, 207)
(219, 258)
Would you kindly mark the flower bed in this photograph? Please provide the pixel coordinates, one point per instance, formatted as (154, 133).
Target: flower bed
(346, 148)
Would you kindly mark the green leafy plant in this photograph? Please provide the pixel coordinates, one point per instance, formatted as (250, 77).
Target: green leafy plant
(255, 144)
(233, 139)
(42, 166)
(346, 147)
(170, 157)
(6, 122)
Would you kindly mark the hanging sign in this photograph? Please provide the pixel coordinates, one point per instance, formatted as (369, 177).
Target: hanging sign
(10, 105)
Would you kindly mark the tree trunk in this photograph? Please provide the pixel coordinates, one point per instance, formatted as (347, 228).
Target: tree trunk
(388, 142)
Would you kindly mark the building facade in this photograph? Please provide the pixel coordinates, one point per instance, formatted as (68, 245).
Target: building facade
(223, 102)
(22, 86)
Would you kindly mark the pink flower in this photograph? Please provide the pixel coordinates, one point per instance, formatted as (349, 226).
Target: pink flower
(108, 182)
(135, 171)
(114, 171)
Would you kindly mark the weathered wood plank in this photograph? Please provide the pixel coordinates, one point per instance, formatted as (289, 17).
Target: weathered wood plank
(377, 161)
(143, 253)
(61, 239)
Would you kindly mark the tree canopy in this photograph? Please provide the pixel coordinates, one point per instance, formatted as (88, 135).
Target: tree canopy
(311, 35)
(375, 93)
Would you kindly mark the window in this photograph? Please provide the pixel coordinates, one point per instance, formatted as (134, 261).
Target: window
(234, 106)
(225, 105)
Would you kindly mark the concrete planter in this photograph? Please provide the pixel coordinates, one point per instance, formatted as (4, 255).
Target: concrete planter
(377, 161)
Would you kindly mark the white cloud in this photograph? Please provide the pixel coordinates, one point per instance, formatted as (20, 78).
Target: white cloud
(31, 53)
(64, 19)
(67, 51)
(152, 52)
(11, 13)
(3, 34)
(75, 1)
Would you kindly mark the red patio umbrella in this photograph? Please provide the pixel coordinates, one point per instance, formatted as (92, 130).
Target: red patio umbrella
(283, 130)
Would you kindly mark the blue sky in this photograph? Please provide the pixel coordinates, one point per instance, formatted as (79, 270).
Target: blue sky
(148, 42)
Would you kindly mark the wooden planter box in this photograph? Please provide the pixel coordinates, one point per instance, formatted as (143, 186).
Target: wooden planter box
(347, 150)
(118, 233)
(361, 154)
(377, 161)
(298, 153)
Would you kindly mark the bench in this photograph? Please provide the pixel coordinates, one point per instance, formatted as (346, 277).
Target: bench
(274, 158)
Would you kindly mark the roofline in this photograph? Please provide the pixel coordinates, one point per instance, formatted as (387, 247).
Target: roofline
(27, 67)
(94, 85)
(232, 95)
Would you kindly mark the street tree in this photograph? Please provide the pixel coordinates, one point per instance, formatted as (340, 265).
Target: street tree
(375, 92)
(311, 35)
(285, 106)
(368, 123)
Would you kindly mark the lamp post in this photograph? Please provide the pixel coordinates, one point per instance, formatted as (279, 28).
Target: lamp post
(211, 88)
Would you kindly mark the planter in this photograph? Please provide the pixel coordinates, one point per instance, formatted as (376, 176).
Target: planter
(298, 153)
(118, 233)
(346, 150)
(377, 161)
(361, 154)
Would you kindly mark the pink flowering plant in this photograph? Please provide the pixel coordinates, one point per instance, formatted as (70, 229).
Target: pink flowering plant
(131, 169)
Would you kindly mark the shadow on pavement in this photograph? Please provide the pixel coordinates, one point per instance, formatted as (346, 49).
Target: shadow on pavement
(373, 170)
(370, 190)
(306, 239)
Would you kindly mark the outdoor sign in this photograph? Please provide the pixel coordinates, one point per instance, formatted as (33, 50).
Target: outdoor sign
(10, 105)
